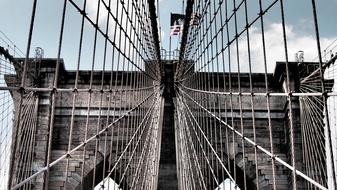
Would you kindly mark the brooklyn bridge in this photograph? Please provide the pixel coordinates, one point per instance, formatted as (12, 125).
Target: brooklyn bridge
(110, 108)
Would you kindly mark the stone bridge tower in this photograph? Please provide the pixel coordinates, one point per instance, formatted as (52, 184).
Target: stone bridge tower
(88, 121)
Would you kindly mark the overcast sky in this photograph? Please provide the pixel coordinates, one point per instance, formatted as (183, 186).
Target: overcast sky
(15, 17)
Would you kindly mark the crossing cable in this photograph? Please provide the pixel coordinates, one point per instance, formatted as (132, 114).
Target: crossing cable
(190, 142)
(101, 96)
(273, 156)
(53, 96)
(131, 157)
(141, 112)
(114, 44)
(240, 97)
(81, 144)
(120, 126)
(251, 96)
(100, 99)
(189, 9)
(209, 160)
(271, 144)
(291, 115)
(203, 111)
(6, 105)
(127, 95)
(312, 109)
(202, 57)
(185, 124)
(328, 129)
(132, 69)
(133, 136)
(137, 120)
(211, 85)
(22, 85)
(205, 138)
(27, 138)
(75, 97)
(217, 108)
(11, 45)
(119, 62)
(221, 28)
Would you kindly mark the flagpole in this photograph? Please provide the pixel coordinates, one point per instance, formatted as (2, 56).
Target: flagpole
(170, 48)
(179, 39)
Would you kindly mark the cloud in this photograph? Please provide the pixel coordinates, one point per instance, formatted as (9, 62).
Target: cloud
(92, 7)
(115, 33)
(275, 50)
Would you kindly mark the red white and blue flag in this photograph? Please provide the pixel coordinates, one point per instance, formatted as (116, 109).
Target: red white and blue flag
(177, 23)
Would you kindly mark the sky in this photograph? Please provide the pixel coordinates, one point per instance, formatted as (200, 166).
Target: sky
(14, 22)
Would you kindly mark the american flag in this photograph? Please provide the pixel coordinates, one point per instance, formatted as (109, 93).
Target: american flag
(177, 23)
(176, 29)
